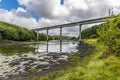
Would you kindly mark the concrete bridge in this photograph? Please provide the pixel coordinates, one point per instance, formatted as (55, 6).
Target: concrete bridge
(79, 23)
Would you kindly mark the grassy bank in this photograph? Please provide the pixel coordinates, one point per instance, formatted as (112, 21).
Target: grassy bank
(93, 67)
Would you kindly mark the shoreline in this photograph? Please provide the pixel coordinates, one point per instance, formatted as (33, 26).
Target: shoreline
(24, 42)
(20, 42)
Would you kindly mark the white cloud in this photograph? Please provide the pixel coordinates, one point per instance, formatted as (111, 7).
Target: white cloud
(76, 4)
(19, 17)
(24, 2)
(72, 10)
(49, 9)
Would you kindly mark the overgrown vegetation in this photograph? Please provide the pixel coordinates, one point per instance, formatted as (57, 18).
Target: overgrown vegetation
(109, 35)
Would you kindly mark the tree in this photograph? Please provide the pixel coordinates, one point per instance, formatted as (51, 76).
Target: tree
(109, 35)
(0, 36)
(90, 32)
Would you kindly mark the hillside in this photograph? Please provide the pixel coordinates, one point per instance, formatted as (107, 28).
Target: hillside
(16, 33)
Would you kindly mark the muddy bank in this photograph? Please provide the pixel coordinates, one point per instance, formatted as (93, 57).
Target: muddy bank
(27, 64)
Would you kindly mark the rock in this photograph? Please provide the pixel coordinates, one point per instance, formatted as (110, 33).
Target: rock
(61, 61)
(1, 65)
(5, 62)
(42, 65)
(27, 69)
(63, 57)
(13, 63)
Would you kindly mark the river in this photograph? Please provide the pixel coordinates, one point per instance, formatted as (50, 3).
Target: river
(17, 59)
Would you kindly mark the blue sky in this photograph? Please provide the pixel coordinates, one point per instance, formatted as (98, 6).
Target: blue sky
(9, 4)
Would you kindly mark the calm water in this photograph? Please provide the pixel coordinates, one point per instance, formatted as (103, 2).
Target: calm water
(16, 59)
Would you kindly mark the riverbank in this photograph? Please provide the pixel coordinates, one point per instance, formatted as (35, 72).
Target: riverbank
(92, 67)
(20, 42)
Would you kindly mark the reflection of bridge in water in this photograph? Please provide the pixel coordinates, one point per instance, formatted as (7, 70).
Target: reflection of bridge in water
(80, 23)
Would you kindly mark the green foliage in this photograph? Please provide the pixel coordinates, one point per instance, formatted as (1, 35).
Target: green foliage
(13, 32)
(42, 37)
(109, 35)
(0, 36)
(90, 32)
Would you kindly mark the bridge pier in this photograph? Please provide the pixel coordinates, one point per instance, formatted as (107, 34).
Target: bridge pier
(47, 39)
(60, 39)
(47, 35)
(80, 36)
(36, 35)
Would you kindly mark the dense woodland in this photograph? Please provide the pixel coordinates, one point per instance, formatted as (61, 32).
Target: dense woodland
(16, 33)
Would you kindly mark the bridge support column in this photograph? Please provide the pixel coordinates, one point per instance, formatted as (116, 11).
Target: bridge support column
(37, 36)
(60, 39)
(80, 36)
(47, 39)
(47, 35)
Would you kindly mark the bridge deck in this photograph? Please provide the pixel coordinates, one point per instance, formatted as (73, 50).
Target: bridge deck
(90, 21)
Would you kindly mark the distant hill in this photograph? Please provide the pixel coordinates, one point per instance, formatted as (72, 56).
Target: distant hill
(14, 32)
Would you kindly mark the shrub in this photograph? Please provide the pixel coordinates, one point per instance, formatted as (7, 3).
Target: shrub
(109, 34)
(0, 36)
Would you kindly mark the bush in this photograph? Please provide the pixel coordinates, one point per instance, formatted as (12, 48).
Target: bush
(0, 36)
(109, 34)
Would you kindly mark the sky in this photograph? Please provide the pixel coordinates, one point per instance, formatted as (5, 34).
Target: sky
(33, 14)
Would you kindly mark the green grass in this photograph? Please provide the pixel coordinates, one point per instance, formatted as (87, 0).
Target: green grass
(92, 67)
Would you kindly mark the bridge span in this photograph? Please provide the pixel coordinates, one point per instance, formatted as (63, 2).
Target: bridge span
(79, 23)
